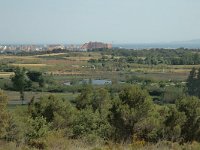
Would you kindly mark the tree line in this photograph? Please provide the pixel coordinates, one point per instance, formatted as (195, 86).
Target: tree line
(179, 56)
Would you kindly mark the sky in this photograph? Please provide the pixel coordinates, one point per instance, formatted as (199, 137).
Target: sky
(112, 21)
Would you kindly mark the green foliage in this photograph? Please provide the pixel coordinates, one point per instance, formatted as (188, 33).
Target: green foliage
(91, 125)
(15, 131)
(37, 128)
(132, 106)
(172, 93)
(4, 116)
(98, 99)
(191, 107)
(91, 121)
(55, 110)
(112, 113)
(135, 97)
(191, 82)
(128, 115)
(36, 76)
(85, 98)
(150, 128)
(20, 81)
(174, 121)
(179, 56)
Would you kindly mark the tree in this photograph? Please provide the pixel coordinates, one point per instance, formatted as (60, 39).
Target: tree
(55, 110)
(101, 100)
(91, 125)
(196, 59)
(198, 83)
(149, 128)
(132, 106)
(191, 82)
(190, 106)
(37, 128)
(174, 120)
(98, 99)
(20, 81)
(36, 76)
(85, 98)
(15, 131)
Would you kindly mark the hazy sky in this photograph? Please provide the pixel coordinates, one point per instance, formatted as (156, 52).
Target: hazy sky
(117, 21)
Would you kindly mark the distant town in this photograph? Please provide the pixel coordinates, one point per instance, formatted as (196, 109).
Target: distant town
(31, 48)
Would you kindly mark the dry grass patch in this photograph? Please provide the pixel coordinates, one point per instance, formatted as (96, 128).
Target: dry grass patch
(18, 57)
(29, 65)
(54, 54)
(6, 74)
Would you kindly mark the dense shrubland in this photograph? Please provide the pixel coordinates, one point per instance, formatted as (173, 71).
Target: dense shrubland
(101, 117)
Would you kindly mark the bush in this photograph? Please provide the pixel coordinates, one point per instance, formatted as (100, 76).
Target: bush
(133, 105)
(91, 126)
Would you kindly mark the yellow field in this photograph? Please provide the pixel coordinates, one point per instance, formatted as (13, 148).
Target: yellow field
(18, 57)
(54, 54)
(29, 65)
(6, 74)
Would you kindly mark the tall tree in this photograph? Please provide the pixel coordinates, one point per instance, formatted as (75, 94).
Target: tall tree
(191, 82)
(198, 83)
(190, 106)
(20, 81)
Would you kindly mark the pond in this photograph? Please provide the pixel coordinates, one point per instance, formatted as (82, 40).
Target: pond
(93, 82)
(97, 82)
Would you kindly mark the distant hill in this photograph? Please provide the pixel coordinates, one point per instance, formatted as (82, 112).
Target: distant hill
(195, 41)
(177, 44)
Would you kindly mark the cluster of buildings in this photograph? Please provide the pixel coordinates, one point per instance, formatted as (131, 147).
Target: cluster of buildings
(29, 48)
(96, 45)
(16, 48)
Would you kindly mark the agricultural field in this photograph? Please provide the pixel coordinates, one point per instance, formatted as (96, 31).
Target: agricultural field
(78, 64)
(67, 70)
(70, 66)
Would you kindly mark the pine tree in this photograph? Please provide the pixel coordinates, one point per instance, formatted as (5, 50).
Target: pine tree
(20, 81)
(198, 83)
(191, 82)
